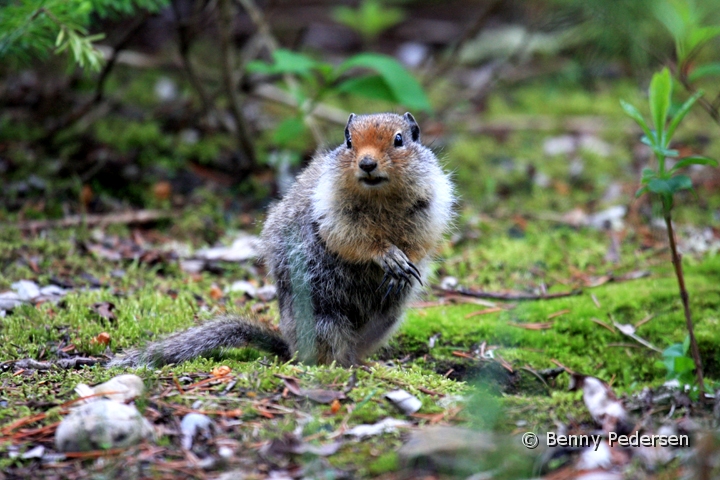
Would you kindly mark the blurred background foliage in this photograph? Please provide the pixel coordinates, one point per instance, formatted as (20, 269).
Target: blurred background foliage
(141, 102)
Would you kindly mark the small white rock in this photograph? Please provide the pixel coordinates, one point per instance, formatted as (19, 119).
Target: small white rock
(245, 247)
(53, 290)
(9, 300)
(243, 286)
(610, 217)
(267, 292)
(403, 400)
(101, 425)
(122, 388)
(36, 452)
(225, 452)
(192, 425)
(385, 425)
(595, 145)
(449, 283)
(563, 144)
(192, 266)
(26, 289)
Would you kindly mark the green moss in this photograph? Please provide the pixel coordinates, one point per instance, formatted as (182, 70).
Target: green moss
(386, 462)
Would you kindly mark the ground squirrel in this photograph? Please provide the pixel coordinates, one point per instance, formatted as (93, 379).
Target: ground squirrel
(348, 246)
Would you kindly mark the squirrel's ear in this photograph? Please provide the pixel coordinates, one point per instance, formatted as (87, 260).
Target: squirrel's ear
(414, 128)
(348, 141)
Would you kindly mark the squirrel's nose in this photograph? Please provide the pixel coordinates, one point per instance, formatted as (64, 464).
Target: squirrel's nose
(367, 164)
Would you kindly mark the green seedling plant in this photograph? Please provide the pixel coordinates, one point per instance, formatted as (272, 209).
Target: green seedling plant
(370, 19)
(667, 180)
(677, 364)
(368, 75)
(691, 26)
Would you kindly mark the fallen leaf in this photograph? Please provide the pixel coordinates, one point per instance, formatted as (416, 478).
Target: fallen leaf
(106, 310)
(483, 312)
(317, 395)
(221, 371)
(602, 324)
(558, 313)
(215, 292)
(532, 326)
(102, 339)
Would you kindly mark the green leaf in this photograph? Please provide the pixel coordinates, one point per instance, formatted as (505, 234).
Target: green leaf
(680, 114)
(706, 70)
(647, 175)
(641, 191)
(258, 66)
(671, 15)
(660, 89)
(372, 86)
(683, 364)
(405, 89)
(700, 36)
(679, 182)
(60, 37)
(658, 149)
(289, 131)
(285, 61)
(693, 160)
(674, 350)
(370, 19)
(659, 186)
(637, 116)
(667, 187)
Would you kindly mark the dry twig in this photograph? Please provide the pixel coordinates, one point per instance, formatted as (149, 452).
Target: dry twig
(139, 216)
(507, 296)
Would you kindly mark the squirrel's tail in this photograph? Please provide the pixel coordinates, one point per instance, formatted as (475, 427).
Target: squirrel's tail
(202, 339)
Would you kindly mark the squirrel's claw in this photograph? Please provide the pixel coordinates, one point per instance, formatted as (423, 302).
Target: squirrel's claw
(390, 289)
(399, 271)
(415, 272)
(386, 277)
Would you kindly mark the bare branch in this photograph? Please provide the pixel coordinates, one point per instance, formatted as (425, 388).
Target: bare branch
(245, 143)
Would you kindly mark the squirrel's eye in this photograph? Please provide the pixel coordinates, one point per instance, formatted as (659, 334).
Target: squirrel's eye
(348, 142)
(398, 140)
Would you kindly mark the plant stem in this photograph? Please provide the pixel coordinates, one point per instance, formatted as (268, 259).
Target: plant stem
(263, 27)
(710, 107)
(184, 40)
(245, 143)
(677, 263)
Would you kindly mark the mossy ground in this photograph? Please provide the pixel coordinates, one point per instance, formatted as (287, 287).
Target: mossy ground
(503, 241)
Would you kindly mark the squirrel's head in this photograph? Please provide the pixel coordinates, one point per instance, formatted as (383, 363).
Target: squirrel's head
(378, 149)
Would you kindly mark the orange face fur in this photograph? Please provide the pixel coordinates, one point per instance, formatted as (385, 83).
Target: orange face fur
(380, 149)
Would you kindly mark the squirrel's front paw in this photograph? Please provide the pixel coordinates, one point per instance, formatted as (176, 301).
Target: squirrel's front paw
(398, 270)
